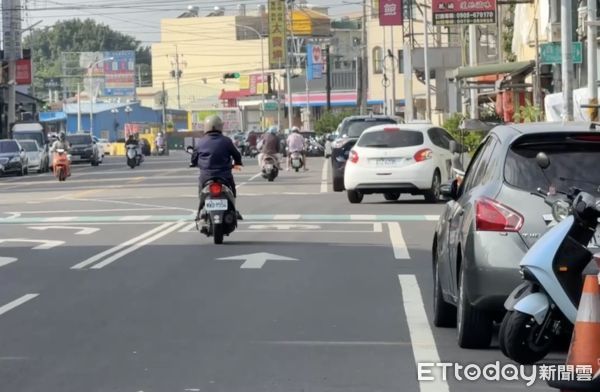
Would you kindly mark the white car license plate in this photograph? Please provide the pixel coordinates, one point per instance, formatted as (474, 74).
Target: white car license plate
(216, 205)
(387, 162)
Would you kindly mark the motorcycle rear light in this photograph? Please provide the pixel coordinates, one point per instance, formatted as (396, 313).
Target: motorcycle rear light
(423, 155)
(353, 156)
(493, 216)
(215, 189)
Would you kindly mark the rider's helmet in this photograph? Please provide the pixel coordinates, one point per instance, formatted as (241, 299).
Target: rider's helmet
(213, 123)
(159, 134)
(62, 136)
(273, 130)
(295, 129)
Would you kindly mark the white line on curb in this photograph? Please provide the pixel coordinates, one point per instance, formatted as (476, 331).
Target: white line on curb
(138, 245)
(398, 243)
(125, 244)
(324, 176)
(17, 302)
(421, 336)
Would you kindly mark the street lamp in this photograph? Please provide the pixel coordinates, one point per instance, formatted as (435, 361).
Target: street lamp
(262, 65)
(90, 71)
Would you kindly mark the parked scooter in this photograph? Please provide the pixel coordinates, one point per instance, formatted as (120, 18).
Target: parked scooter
(61, 165)
(545, 305)
(270, 168)
(133, 158)
(297, 161)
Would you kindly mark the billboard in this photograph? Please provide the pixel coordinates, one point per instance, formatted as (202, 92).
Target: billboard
(109, 78)
(23, 72)
(314, 66)
(277, 51)
(390, 13)
(456, 12)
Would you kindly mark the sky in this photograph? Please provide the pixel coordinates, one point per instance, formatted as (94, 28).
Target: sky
(141, 18)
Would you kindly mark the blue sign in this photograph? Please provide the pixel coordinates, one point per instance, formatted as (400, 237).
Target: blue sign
(119, 74)
(314, 62)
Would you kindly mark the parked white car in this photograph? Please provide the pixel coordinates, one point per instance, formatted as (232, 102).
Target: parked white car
(394, 159)
(37, 156)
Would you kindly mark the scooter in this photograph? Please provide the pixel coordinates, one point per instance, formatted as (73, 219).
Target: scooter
(545, 305)
(219, 216)
(133, 158)
(270, 168)
(297, 161)
(160, 149)
(61, 165)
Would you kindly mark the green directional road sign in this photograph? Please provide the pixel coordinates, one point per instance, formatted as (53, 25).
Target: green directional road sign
(551, 53)
(270, 106)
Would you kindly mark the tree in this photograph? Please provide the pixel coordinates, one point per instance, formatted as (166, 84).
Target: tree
(329, 121)
(76, 35)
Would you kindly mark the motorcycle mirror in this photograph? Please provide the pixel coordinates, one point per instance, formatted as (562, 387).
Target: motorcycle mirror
(542, 160)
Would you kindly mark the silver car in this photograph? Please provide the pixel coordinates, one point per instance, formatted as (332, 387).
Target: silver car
(493, 219)
(37, 156)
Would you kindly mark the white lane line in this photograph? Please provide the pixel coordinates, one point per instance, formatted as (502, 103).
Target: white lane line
(421, 336)
(44, 212)
(7, 260)
(286, 217)
(433, 218)
(254, 177)
(135, 218)
(60, 219)
(191, 228)
(377, 227)
(125, 244)
(129, 203)
(363, 217)
(138, 245)
(17, 302)
(324, 176)
(398, 243)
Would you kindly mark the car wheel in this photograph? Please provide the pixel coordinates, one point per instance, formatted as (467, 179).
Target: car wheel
(354, 197)
(474, 326)
(433, 194)
(518, 335)
(444, 314)
(391, 196)
(338, 184)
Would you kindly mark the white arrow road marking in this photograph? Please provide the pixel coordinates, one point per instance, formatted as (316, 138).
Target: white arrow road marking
(7, 260)
(398, 243)
(44, 244)
(421, 336)
(80, 230)
(17, 302)
(257, 260)
(284, 227)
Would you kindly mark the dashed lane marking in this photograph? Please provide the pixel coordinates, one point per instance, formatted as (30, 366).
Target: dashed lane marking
(17, 302)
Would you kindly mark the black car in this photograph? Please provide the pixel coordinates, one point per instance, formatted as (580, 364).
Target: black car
(346, 136)
(12, 158)
(83, 148)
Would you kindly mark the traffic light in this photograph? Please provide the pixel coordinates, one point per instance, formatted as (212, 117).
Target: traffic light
(233, 75)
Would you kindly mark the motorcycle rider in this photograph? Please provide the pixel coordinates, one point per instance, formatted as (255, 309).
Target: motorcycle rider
(270, 145)
(296, 143)
(160, 141)
(213, 155)
(62, 144)
(133, 140)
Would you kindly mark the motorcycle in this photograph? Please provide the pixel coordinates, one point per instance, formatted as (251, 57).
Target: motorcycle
(160, 149)
(133, 158)
(297, 161)
(545, 305)
(270, 168)
(219, 215)
(61, 165)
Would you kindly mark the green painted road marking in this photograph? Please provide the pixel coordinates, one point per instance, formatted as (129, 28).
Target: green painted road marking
(190, 218)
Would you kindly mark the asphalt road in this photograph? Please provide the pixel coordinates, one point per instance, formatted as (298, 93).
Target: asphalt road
(105, 286)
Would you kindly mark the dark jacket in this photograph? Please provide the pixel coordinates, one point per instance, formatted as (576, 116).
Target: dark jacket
(213, 155)
(270, 144)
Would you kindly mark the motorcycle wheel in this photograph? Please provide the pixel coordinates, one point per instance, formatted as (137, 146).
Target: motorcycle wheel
(518, 333)
(58, 173)
(218, 234)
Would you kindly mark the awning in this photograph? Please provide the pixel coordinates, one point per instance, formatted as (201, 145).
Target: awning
(52, 116)
(493, 69)
(231, 94)
(338, 98)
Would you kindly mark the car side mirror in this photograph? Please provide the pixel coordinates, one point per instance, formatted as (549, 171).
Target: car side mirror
(457, 148)
(450, 190)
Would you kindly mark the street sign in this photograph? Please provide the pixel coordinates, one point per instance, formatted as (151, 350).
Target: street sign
(456, 12)
(52, 83)
(390, 13)
(550, 53)
(270, 106)
(257, 260)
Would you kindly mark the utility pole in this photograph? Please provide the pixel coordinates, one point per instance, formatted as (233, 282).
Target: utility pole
(592, 58)
(11, 24)
(426, 64)
(393, 57)
(537, 85)
(78, 107)
(408, 68)
(164, 108)
(474, 93)
(385, 79)
(364, 63)
(176, 74)
(566, 35)
(554, 26)
(288, 70)
(328, 77)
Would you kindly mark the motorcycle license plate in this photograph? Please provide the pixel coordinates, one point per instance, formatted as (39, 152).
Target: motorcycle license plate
(268, 167)
(216, 205)
(296, 162)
